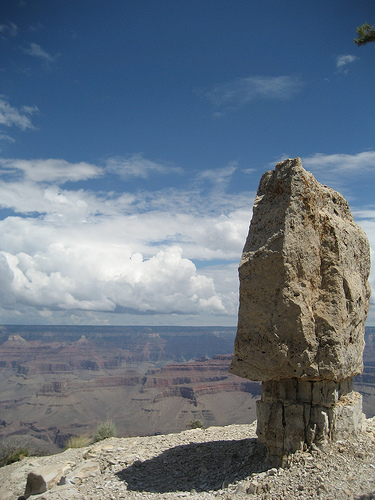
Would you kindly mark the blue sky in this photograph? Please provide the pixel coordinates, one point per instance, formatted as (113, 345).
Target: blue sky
(133, 135)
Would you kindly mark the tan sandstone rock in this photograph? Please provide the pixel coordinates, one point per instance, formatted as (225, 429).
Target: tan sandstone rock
(304, 298)
(304, 291)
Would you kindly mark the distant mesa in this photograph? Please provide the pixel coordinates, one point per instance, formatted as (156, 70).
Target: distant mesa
(16, 339)
(83, 340)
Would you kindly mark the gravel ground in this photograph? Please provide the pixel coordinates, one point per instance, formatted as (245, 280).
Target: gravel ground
(218, 462)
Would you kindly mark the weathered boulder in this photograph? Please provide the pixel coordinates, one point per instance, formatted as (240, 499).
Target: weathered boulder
(304, 291)
(304, 299)
(45, 478)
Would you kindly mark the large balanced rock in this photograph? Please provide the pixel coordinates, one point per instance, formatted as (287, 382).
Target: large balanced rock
(304, 298)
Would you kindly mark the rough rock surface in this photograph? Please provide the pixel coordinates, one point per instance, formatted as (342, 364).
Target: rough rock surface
(216, 463)
(304, 299)
(304, 291)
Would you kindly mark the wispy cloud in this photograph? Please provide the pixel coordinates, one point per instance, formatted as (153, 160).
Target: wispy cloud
(11, 116)
(50, 170)
(138, 166)
(219, 177)
(5, 137)
(36, 27)
(9, 29)
(36, 50)
(340, 171)
(240, 92)
(341, 163)
(343, 61)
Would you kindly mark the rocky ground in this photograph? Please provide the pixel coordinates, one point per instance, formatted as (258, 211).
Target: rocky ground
(218, 462)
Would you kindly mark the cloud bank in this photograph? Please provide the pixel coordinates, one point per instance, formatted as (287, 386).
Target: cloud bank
(67, 251)
(70, 254)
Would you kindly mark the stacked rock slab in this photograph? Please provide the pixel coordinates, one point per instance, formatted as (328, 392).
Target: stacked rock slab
(304, 298)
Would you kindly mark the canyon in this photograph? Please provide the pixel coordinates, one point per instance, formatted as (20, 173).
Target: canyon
(57, 382)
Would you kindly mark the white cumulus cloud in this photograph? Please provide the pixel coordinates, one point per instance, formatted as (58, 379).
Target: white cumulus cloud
(69, 251)
(105, 278)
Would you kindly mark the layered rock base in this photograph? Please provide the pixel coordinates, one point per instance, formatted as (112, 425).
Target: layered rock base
(295, 414)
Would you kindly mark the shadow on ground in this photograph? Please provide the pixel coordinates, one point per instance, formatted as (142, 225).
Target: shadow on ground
(199, 466)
